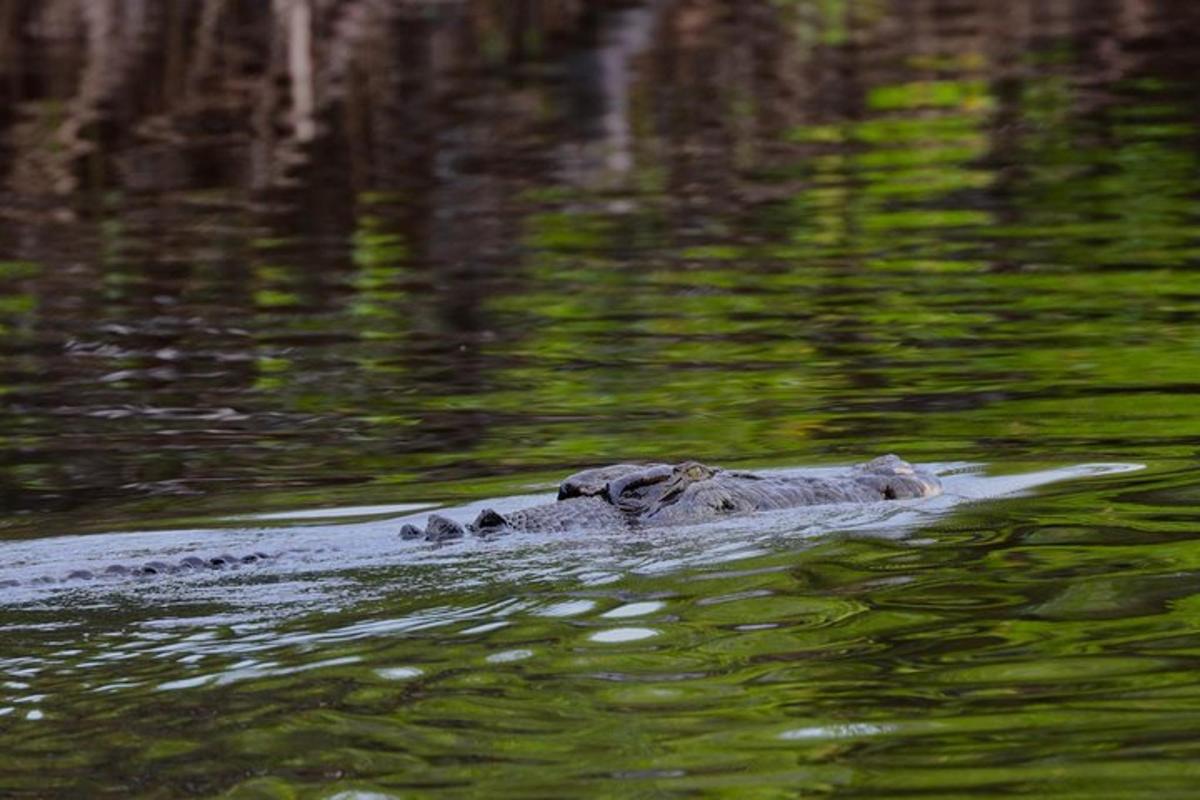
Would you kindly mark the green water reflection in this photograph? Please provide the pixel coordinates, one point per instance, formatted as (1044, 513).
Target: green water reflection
(1004, 652)
(968, 263)
(525, 238)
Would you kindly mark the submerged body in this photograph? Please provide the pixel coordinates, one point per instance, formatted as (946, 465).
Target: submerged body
(627, 496)
(620, 497)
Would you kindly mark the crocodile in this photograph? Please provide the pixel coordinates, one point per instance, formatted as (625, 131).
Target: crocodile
(618, 497)
(631, 497)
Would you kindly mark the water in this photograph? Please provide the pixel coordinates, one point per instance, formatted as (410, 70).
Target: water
(289, 293)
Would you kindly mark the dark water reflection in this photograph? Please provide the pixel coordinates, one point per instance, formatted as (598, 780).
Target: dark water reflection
(446, 251)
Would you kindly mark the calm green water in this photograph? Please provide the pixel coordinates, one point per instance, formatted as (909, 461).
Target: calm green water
(511, 239)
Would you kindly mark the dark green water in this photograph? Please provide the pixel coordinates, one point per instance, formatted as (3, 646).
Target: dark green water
(509, 240)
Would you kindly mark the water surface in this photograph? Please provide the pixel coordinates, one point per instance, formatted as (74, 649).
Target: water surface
(255, 287)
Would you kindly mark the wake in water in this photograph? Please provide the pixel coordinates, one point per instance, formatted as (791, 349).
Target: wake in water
(326, 565)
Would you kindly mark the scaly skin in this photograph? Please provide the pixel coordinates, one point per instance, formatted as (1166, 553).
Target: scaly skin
(621, 497)
(625, 496)
(151, 568)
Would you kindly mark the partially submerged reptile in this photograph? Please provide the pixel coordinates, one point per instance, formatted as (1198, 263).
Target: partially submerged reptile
(628, 496)
(621, 497)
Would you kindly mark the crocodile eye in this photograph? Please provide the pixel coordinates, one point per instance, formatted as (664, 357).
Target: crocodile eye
(695, 472)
